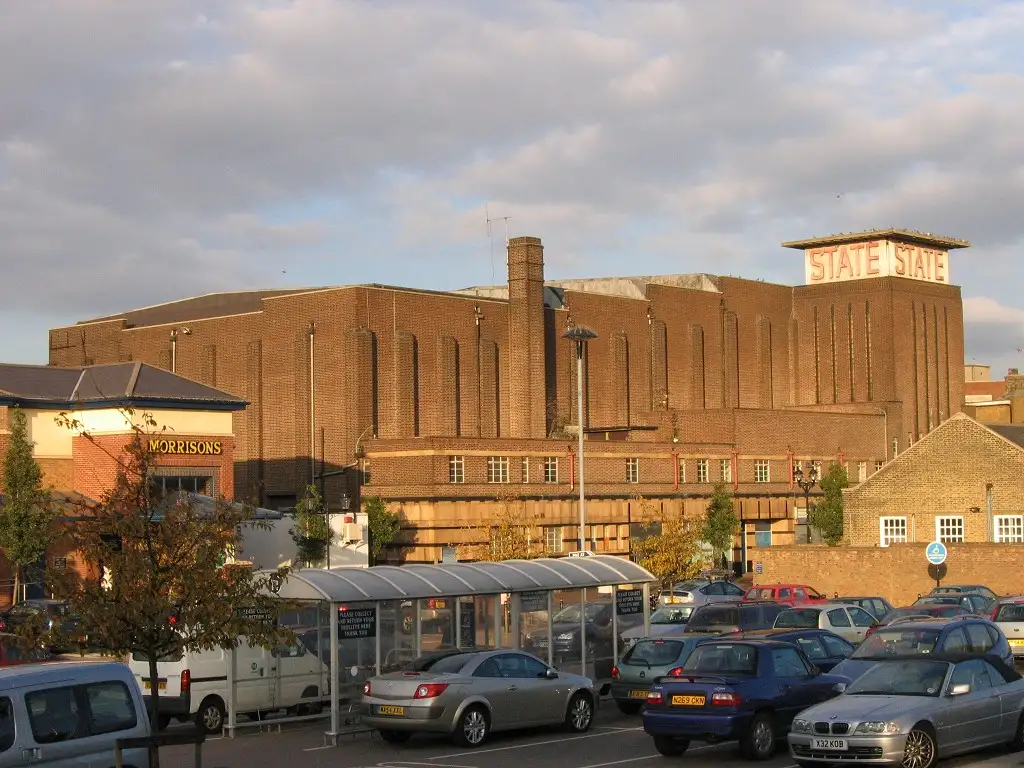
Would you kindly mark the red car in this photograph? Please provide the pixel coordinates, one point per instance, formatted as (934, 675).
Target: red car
(789, 594)
(14, 652)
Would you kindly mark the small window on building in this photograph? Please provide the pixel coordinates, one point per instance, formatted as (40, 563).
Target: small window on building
(726, 470)
(551, 469)
(1010, 529)
(703, 472)
(456, 469)
(198, 484)
(526, 469)
(762, 471)
(862, 471)
(497, 469)
(763, 533)
(895, 447)
(632, 470)
(553, 539)
(879, 464)
(681, 463)
(892, 530)
(949, 529)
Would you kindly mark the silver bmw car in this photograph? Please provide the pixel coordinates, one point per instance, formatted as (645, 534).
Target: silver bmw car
(914, 711)
(470, 695)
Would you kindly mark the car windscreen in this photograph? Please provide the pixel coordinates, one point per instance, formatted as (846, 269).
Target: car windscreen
(715, 615)
(1010, 612)
(571, 613)
(798, 618)
(671, 615)
(653, 653)
(722, 659)
(938, 600)
(685, 586)
(901, 678)
(897, 641)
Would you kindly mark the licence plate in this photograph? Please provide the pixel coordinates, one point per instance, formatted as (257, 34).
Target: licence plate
(391, 711)
(162, 686)
(688, 701)
(831, 745)
(638, 694)
(1017, 643)
(674, 600)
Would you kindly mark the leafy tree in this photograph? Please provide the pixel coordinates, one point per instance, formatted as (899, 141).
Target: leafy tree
(506, 535)
(157, 579)
(669, 546)
(382, 524)
(26, 516)
(312, 533)
(827, 514)
(721, 523)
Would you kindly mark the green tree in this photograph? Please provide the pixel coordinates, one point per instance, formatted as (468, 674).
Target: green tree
(312, 533)
(827, 514)
(721, 523)
(669, 545)
(26, 516)
(157, 579)
(382, 525)
(507, 535)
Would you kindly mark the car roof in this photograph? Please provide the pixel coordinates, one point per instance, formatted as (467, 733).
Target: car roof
(940, 622)
(768, 634)
(863, 597)
(55, 672)
(824, 605)
(756, 642)
(1008, 672)
(1011, 599)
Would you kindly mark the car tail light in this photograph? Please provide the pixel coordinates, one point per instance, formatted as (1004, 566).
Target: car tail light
(722, 699)
(367, 688)
(735, 630)
(3, 625)
(871, 629)
(615, 673)
(675, 672)
(430, 690)
(186, 681)
(655, 697)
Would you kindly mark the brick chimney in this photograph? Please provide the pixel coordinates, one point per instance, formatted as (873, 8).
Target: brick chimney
(526, 359)
(1015, 394)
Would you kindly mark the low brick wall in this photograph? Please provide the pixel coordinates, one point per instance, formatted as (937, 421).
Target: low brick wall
(898, 573)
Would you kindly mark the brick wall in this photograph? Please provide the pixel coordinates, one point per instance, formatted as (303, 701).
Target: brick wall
(898, 573)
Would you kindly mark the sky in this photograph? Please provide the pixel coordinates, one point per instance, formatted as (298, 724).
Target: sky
(159, 149)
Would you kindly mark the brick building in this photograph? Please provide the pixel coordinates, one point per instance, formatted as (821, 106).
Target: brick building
(441, 401)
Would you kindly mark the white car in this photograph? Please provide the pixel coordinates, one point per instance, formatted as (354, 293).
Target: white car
(700, 592)
(663, 622)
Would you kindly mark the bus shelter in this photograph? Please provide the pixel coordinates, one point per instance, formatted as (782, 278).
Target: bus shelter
(568, 610)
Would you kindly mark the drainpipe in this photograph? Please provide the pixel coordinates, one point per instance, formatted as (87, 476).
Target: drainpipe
(174, 349)
(675, 468)
(312, 407)
(988, 511)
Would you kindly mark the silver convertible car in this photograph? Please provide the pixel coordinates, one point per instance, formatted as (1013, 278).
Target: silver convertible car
(913, 711)
(471, 694)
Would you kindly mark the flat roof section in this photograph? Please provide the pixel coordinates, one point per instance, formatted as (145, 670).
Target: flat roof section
(927, 239)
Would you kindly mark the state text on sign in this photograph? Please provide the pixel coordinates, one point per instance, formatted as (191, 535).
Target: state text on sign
(875, 258)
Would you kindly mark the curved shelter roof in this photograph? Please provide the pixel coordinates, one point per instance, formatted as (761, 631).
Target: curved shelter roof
(412, 582)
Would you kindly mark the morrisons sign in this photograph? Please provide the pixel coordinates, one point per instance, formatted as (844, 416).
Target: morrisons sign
(187, 447)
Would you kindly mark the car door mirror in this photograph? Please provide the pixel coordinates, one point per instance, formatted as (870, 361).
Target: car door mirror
(839, 688)
(815, 670)
(550, 674)
(960, 690)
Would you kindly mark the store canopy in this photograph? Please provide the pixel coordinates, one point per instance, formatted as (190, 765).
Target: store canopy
(413, 582)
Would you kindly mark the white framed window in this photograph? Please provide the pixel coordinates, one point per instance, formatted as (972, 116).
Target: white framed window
(456, 469)
(879, 464)
(895, 447)
(703, 471)
(551, 469)
(632, 470)
(892, 530)
(1010, 529)
(726, 470)
(862, 471)
(763, 533)
(497, 469)
(949, 529)
(682, 470)
(526, 469)
(553, 539)
(762, 471)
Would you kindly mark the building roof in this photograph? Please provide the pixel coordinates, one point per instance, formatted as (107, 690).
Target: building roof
(926, 239)
(107, 386)
(68, 505)
(1012, 432)
(995, 389)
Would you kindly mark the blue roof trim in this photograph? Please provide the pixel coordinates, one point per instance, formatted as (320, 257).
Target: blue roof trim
(122, 402)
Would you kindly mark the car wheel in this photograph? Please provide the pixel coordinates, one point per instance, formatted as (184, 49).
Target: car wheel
(758, 743)
(580, 713)
(670, 746)
(1017, 743)
(210, 716)
(629, 707)
(395, 737)
(920, 750)
(472, 728)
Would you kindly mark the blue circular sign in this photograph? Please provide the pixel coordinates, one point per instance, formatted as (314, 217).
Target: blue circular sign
(936, 553)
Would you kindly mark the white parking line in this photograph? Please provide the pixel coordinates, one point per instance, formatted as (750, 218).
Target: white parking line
(510, 747)
(401, 763)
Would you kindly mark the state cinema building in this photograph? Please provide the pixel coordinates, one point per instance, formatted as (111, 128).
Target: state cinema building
(442, 403)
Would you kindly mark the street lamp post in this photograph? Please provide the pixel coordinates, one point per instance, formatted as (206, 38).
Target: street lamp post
(806, 482)
(580, 336)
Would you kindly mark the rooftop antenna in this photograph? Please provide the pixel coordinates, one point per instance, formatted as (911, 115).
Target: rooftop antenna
(490, 234)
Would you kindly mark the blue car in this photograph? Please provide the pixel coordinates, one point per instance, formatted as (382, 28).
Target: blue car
(822, 648)
(735, 690)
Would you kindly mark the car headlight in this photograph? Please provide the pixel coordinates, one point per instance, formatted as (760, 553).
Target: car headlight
(801, 726)
(878, 726)
(565, 636)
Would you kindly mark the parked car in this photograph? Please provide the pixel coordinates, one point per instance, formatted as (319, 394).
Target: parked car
(52, 616)
(914, 712)
(647, 660)
(663, 621)
(918, 638)
(934, 611)
(848, 621)
(878, 607)
(1008, 615)
(14, 651)
(471, 695)
(700, 592)
(791, 594)
(747, 691)
(953, 589)
(822, 648)
(972, 601)
(733, 617)
(566, 628)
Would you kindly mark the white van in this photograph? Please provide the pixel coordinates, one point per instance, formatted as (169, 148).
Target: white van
(194, 684)
(70, 714)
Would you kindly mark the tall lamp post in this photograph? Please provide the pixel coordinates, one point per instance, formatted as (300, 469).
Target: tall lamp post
(580, 335)
(806, 482)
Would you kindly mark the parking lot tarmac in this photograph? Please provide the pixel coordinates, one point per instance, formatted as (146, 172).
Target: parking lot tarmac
(615, 740)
